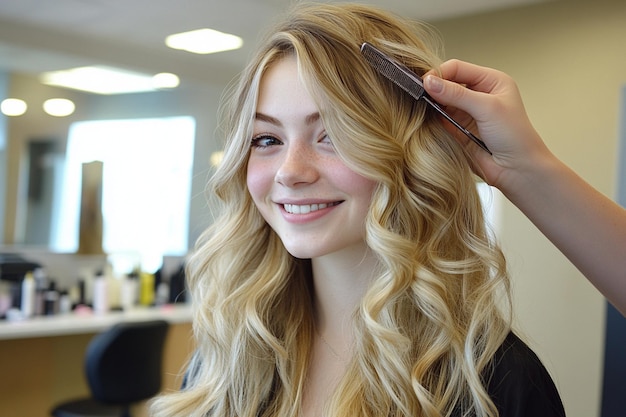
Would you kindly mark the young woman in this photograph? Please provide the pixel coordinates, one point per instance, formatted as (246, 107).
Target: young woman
(350, 272)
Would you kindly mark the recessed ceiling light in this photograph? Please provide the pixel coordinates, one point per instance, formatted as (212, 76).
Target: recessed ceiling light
(101, 80)
(165, 80)
(13, 107)
(59, 107)
(216, 158)
(204, 41)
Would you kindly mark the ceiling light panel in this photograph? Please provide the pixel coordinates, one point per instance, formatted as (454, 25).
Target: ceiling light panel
(204, 41)
(100, 80)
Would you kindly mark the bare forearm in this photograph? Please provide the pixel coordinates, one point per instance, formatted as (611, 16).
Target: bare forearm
(585, 225)
(588, 227)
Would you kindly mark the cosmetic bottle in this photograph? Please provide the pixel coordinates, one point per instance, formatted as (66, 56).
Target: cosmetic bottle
(51, 300)
(41, 287)
(100, 294)
(82, 292)
(5, 299)
(162, 293)
(40, 299)
(65, 302)
(28, 295)
(128, 296)
(146, 289)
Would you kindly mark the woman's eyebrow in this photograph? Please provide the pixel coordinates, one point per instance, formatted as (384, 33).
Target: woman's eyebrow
(309, 119)
(268, 119)
(312, 118)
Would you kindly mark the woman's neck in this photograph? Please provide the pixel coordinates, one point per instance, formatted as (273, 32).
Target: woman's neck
(340, 281)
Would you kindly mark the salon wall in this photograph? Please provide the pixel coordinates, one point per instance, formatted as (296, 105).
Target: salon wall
(569, 61)
(4, 85)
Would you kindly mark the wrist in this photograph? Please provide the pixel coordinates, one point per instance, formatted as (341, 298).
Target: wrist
(532, 174)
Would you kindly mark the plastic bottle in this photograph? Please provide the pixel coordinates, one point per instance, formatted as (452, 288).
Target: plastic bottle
(162, 293)
(28, 295)
(40, 299)
(82, 292)
(51, 300)
(65, 302)
(128, 292)
(100, 294)
(146, 289)
(41, 287)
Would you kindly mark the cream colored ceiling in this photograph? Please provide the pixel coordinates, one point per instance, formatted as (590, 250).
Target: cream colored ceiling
(40, 35)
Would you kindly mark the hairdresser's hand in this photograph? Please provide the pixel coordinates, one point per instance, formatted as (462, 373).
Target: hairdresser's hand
(488, 102)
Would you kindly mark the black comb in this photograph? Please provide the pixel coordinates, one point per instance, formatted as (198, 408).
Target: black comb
(410, 82)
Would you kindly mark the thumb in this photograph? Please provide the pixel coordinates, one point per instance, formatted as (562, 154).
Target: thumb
(445, 92)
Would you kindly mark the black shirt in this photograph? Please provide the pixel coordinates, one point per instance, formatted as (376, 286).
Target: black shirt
(519, 384)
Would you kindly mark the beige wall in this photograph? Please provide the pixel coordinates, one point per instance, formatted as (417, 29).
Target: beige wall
(569, 59)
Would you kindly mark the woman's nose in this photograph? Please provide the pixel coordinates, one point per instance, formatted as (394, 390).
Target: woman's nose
(299, 166)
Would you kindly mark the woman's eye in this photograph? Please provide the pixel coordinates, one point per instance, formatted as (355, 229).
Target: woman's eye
(326, 139)
(264, 141)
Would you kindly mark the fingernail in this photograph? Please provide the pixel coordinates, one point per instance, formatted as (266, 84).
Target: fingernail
(433, 84)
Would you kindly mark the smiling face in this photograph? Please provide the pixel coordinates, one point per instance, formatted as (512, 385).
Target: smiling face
(310, 198)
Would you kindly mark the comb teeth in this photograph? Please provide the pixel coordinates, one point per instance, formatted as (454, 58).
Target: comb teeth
(393, 71)
(410, 82)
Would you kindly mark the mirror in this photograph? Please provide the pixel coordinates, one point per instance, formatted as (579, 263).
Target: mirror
(39, 148)
(33, 146)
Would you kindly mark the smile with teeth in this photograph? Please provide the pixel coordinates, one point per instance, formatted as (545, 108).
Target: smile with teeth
(307, 208)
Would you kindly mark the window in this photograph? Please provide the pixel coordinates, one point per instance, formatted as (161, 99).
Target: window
(146, 183)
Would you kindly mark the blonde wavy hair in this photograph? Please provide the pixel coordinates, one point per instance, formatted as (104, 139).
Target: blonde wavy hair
(432, 318)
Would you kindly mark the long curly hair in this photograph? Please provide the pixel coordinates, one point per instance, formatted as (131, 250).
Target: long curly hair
(439, 305)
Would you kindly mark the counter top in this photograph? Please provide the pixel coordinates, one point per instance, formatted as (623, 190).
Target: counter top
(67, 324)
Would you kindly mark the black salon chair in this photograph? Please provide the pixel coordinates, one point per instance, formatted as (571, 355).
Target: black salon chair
(123, 366)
